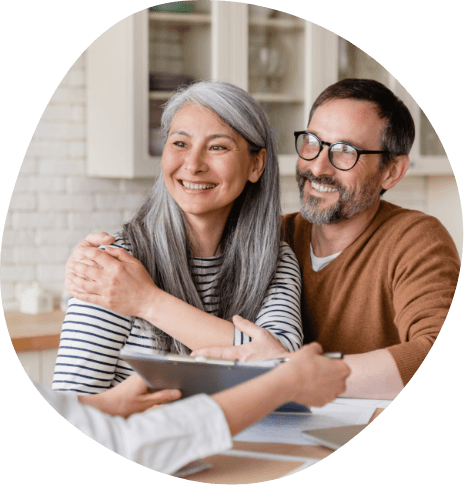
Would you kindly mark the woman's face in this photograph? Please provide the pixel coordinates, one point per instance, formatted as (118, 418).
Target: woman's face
(206, 164)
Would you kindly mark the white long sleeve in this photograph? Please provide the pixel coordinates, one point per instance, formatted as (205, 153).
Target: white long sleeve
(164, 439)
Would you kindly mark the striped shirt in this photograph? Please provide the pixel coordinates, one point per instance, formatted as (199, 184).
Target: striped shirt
(92, 337)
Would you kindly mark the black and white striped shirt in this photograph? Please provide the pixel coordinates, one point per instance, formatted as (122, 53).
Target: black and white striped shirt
(92, 337)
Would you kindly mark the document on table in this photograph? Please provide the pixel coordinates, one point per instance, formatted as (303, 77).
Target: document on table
(368, 403)
(287, 427)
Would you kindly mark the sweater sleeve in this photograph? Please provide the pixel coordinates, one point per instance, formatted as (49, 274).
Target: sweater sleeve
(424, 269)
(280, 313)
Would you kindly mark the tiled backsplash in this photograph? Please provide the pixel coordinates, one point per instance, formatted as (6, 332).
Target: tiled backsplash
(55, 205)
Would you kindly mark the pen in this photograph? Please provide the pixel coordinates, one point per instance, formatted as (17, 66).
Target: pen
(330, 355)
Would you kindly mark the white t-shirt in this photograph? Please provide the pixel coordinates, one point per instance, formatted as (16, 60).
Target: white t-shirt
(319, 263)
(164, 439)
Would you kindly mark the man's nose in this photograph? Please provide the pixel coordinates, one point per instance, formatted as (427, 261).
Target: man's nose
(321, 165)
(195, 161)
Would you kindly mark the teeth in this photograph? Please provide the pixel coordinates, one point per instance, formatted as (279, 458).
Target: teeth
(197, 186)
(322, 188)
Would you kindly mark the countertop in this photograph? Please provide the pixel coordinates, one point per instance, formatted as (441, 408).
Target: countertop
(34, 332)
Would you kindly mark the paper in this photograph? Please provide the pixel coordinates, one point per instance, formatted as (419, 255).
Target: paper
(192, 467)
(374, 403)
(286, 428)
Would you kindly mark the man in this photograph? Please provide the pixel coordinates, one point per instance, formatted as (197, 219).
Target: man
(170, 436)
(378, 280)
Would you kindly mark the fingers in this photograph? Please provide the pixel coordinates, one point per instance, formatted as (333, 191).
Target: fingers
(99, 239)
(314, 348)
(121, 254)
(99, 256)
(83, 269)
(161, 397)
(249, 328)
(216, 353)
(83, 284)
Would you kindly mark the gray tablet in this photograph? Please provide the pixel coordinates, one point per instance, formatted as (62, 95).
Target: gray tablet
(197, 375)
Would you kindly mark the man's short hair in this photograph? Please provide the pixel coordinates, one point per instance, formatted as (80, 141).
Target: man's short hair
(399, 132)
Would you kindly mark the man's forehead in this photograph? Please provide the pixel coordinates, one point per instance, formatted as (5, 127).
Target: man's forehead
(347, 120)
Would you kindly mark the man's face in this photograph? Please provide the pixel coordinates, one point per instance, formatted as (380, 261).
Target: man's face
(328, 195)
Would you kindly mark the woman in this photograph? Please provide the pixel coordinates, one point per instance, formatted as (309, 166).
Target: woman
(205, 246)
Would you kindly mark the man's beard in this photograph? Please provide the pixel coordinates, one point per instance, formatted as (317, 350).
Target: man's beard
(349, 203)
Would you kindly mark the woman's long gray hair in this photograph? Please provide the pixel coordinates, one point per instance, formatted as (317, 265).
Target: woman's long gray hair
(157, 235)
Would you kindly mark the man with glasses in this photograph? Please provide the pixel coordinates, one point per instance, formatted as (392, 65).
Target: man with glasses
(378, 280)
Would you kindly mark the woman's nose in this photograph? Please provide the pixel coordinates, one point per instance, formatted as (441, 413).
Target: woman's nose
(195, 161)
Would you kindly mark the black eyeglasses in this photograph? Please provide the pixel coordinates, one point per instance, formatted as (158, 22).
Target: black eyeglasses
(342, 156)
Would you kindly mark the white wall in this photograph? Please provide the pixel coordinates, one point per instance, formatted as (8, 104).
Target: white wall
(55, 205)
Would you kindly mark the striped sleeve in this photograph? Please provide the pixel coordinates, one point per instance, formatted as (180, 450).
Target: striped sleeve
(281, 314)
(91, 339)
(88, 356)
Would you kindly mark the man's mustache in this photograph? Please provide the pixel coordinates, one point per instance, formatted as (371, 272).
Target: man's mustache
(329, 181)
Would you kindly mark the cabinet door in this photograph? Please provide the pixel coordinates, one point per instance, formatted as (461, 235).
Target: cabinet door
(117, 102)
(277, 61)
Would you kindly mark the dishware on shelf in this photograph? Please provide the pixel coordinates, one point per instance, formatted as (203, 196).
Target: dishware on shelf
(174, 7)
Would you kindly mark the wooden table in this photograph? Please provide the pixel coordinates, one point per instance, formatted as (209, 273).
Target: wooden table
(251, 462)
(34, 332)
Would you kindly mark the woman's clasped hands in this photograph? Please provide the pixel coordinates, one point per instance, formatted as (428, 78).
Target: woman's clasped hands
(111, 278)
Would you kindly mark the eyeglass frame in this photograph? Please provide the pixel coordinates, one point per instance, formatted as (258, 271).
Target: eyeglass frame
(359, 151)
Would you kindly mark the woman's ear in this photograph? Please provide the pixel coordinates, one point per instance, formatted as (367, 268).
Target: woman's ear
(395, 171)
(258, 163)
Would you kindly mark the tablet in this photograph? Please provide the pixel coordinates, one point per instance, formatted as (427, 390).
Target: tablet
(199, 375)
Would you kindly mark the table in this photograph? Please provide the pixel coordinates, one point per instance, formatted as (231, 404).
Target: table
(275, 447)
(34, 332)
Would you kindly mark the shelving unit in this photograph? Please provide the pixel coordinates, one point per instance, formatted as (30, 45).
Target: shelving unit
(283, 61)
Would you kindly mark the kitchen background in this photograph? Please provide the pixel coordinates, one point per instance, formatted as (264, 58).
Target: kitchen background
(95, 152)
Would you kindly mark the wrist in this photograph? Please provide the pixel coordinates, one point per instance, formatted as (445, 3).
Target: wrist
(150, 309)
(285, 381)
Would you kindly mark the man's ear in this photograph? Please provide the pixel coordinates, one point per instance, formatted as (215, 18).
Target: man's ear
(395, 171)
(258, 164)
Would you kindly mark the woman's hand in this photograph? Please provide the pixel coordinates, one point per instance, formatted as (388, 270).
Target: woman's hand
(113, 279)
(263, 345)
(129, 397)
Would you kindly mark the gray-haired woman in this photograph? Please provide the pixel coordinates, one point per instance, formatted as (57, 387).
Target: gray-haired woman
(203, 247)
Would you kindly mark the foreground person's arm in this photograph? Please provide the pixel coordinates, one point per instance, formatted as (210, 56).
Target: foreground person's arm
(171, 436)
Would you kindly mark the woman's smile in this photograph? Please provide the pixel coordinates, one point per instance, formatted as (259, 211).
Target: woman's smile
(197, 185)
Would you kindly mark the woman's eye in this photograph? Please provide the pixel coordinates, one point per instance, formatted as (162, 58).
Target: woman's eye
(217, 147)
(180, 144)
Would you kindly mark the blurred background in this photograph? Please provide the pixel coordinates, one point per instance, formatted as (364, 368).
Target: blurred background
(96, 150)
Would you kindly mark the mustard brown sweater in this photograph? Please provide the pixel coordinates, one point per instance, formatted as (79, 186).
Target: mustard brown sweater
(391, 288)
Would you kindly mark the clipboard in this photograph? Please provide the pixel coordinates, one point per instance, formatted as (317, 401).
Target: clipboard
(199, 375)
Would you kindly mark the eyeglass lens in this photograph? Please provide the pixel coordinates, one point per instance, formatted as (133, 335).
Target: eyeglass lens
(341, 155)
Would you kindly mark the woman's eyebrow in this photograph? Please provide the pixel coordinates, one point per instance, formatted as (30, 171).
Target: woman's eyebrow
(221, 135)
(179, 132)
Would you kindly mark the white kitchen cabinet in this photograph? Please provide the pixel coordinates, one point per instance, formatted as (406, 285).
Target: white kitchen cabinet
(39, 364)
(282, 60)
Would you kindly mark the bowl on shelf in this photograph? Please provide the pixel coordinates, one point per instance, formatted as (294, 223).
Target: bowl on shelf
(174, 7)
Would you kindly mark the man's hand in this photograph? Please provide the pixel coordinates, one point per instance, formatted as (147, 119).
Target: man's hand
(114, 280)
(263, 345)
(91, 241)
(129, 397)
